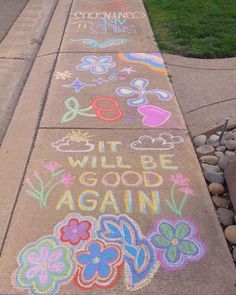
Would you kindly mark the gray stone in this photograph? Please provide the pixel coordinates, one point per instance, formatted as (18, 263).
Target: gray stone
(212, 160)
(214, 137)
(230, 177)
(226, 216)
(221, 148)
(219, 154)
(234, 254)
(216, 189)
(234, 130)
(230, 154)
(223, 161)
(213, 143)
(214, 177)
(230, 234)
(231, 125)
(231, 144)
(221, 202)
(213, 168)
(205, 149)
(228, 136)
(199, 140)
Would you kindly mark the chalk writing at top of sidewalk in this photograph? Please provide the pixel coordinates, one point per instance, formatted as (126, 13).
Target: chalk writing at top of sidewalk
(114, 15)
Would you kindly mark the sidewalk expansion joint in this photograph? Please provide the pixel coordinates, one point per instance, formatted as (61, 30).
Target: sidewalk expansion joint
(120, 128)
(200, 68)
(210, 104)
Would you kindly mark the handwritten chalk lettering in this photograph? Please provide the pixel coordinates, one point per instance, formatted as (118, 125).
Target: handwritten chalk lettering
(127, 178)
(81, 15)
(163, 161)
(148, 162)
(91, 200)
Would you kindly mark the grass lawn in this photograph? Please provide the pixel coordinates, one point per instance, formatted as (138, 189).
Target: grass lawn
(194, 28)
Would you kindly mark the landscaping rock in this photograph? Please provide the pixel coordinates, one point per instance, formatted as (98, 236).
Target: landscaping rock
(211, 168)
(205, 149)
(230, 144)
(219, 154)
(223, 161)
(234, 254)
(234, 130)
(231, 125)
(226, 216)
(214, 137)
(212, 160)
(213, 143)
(216, 189)
(228, 136)
(221, 202)
(200, 140)
(230, 234)
(230, 176)
(230, 154)
(214, 177)
(221, 148)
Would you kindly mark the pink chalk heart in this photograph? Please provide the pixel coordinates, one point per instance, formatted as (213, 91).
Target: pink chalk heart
(153, 115)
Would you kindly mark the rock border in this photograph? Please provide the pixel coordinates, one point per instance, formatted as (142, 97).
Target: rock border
(214, 155)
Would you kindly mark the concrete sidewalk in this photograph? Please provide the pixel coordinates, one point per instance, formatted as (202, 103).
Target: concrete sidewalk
(102, 191)
(205, 89)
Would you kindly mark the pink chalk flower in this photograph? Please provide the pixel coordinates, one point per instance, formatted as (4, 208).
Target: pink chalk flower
(52, 166)
(179, 179)
(187, 190)
(67, 179)
(27, 180)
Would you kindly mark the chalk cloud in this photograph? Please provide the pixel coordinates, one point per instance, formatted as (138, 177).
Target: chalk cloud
(72, 145)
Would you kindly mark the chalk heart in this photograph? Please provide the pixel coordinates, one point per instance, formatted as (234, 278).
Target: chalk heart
(153, 115)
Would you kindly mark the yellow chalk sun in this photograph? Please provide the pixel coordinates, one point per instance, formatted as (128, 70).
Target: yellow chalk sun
(78, 135)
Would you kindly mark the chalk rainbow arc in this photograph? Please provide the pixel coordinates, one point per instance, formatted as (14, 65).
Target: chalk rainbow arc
(153, 61)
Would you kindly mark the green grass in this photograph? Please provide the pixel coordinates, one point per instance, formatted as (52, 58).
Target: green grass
(194, 28)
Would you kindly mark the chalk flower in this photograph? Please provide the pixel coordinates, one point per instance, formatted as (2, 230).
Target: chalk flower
(99, 265)
(176, 244)
(44, 266)
(67, 179)
(187, 190)
(96, 64)
(139, 94)
(76, 231)
(52, 166)
(179, 179)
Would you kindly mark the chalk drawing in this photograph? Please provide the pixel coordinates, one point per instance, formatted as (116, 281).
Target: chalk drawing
(93, 15)
(97, 65)
(100, 80)
(57, 176)
(107, 113)
(63, 75)
(106, 109)
(153, 116)
(92, 43)
(183, 187)
(127, 70)
(165, 141)
(78, 85)
(139, 93)
(74, 110)
(93, 252)
(75, 142)
(177, 244)
(153, 61)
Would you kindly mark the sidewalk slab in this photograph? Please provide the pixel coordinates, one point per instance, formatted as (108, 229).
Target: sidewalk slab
(205, 90)
(114, 93)
(96, 190)
(105, 26)
(13, 71)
